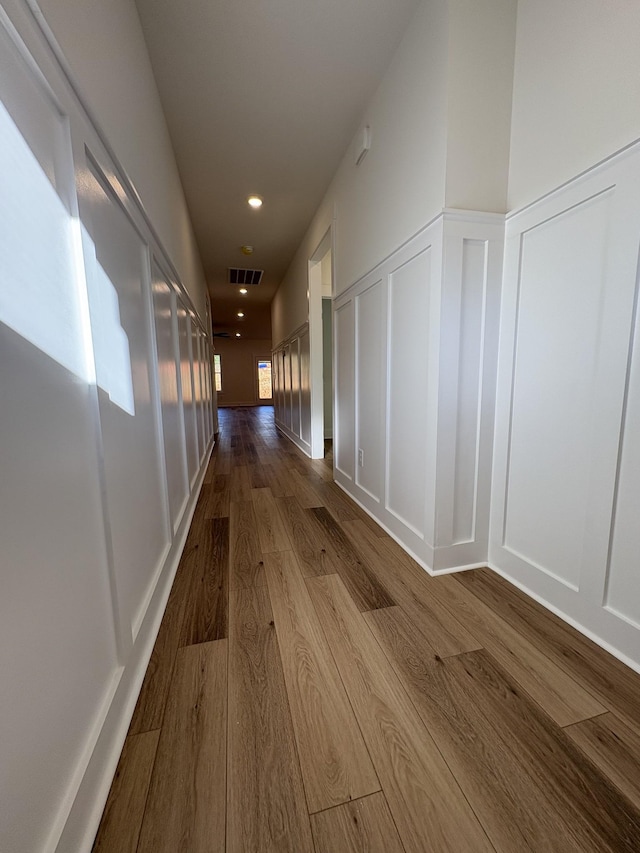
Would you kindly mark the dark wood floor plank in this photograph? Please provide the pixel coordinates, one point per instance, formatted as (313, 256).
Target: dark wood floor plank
(561, 696)
(341, 505)
(223, 461)
(363, 826)
(322, 469)
(208, 475)
(246, 567)
(271, 530)
(366, 589)
(614, 748)
(122, 817)
(311, 544)
(199, 517)
(528, 784)
(240, 483)
(187, 796)
(278, 480)
(429, 809)
(615, 685)
(410, 589)
(150, 706)
(335, 764)
(303, 491)
(266, 806)
(219, 497)
(205, 617)
(251, 452)
(257, 477)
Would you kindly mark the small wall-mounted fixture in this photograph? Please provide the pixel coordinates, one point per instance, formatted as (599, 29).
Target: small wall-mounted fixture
(243, 291)
(362, 145)
(254, 201)
(246, 250)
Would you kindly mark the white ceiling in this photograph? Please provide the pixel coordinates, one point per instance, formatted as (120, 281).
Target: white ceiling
(263, 96)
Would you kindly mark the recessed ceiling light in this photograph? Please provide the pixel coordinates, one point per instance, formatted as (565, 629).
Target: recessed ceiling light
(243, 291)
(255, 201)
(240, 314)
(237, 334)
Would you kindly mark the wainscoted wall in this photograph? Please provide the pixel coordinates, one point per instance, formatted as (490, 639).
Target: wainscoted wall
(566, 484)
(416, 339)
(292, 388)
(106, 424)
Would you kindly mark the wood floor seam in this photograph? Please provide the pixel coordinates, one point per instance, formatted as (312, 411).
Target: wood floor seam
(410, 698)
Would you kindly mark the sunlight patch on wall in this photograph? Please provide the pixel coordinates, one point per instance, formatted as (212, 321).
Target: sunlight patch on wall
(43, 293)
(38, 295)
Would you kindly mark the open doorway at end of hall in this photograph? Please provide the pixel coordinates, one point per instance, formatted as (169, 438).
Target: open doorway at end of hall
(327, 370)
(321, 347)
(264, 382)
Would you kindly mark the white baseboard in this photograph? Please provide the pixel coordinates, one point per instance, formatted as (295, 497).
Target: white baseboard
(582, 629)
(304, 446)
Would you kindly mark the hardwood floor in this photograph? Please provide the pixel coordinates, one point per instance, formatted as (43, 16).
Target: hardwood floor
(313, 690)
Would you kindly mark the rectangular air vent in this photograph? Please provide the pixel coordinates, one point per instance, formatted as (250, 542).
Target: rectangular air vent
(238, 276)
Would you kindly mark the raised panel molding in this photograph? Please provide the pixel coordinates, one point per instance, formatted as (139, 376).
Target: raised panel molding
(291, 391)
(370, 386)
(557, 339)
(439, 300)
(622, 587)
(345, 377)
(305, 389)
(408, 398)
(565, 494)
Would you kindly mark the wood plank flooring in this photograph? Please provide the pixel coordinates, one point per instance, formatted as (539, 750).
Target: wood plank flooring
(313, 690)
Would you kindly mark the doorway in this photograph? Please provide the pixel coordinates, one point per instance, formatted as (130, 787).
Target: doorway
(264, 381)
(321, 345)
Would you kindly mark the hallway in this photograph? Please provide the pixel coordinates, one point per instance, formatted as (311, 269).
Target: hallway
(313, 689)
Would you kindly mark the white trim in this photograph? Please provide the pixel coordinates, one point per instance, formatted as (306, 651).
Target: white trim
(590, 171)
(582, 629)
(79, 815)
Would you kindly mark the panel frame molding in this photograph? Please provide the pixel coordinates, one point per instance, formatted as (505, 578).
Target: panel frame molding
(583, 605)
(282, 356)
(446, 236)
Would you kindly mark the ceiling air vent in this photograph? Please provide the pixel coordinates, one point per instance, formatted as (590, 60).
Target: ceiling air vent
(238, 276)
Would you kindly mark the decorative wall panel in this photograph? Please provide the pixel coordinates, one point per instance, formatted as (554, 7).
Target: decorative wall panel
(371, 384)
(407, 400)
(344, 423)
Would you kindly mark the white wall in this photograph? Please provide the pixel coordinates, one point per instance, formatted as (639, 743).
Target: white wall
(563, 490)
(479, 87)
(105, 427)
(399, 185)
(576, 95)
(104, 46)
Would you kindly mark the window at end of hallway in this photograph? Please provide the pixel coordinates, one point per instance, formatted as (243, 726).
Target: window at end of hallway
(217, 370)
(265, 391)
